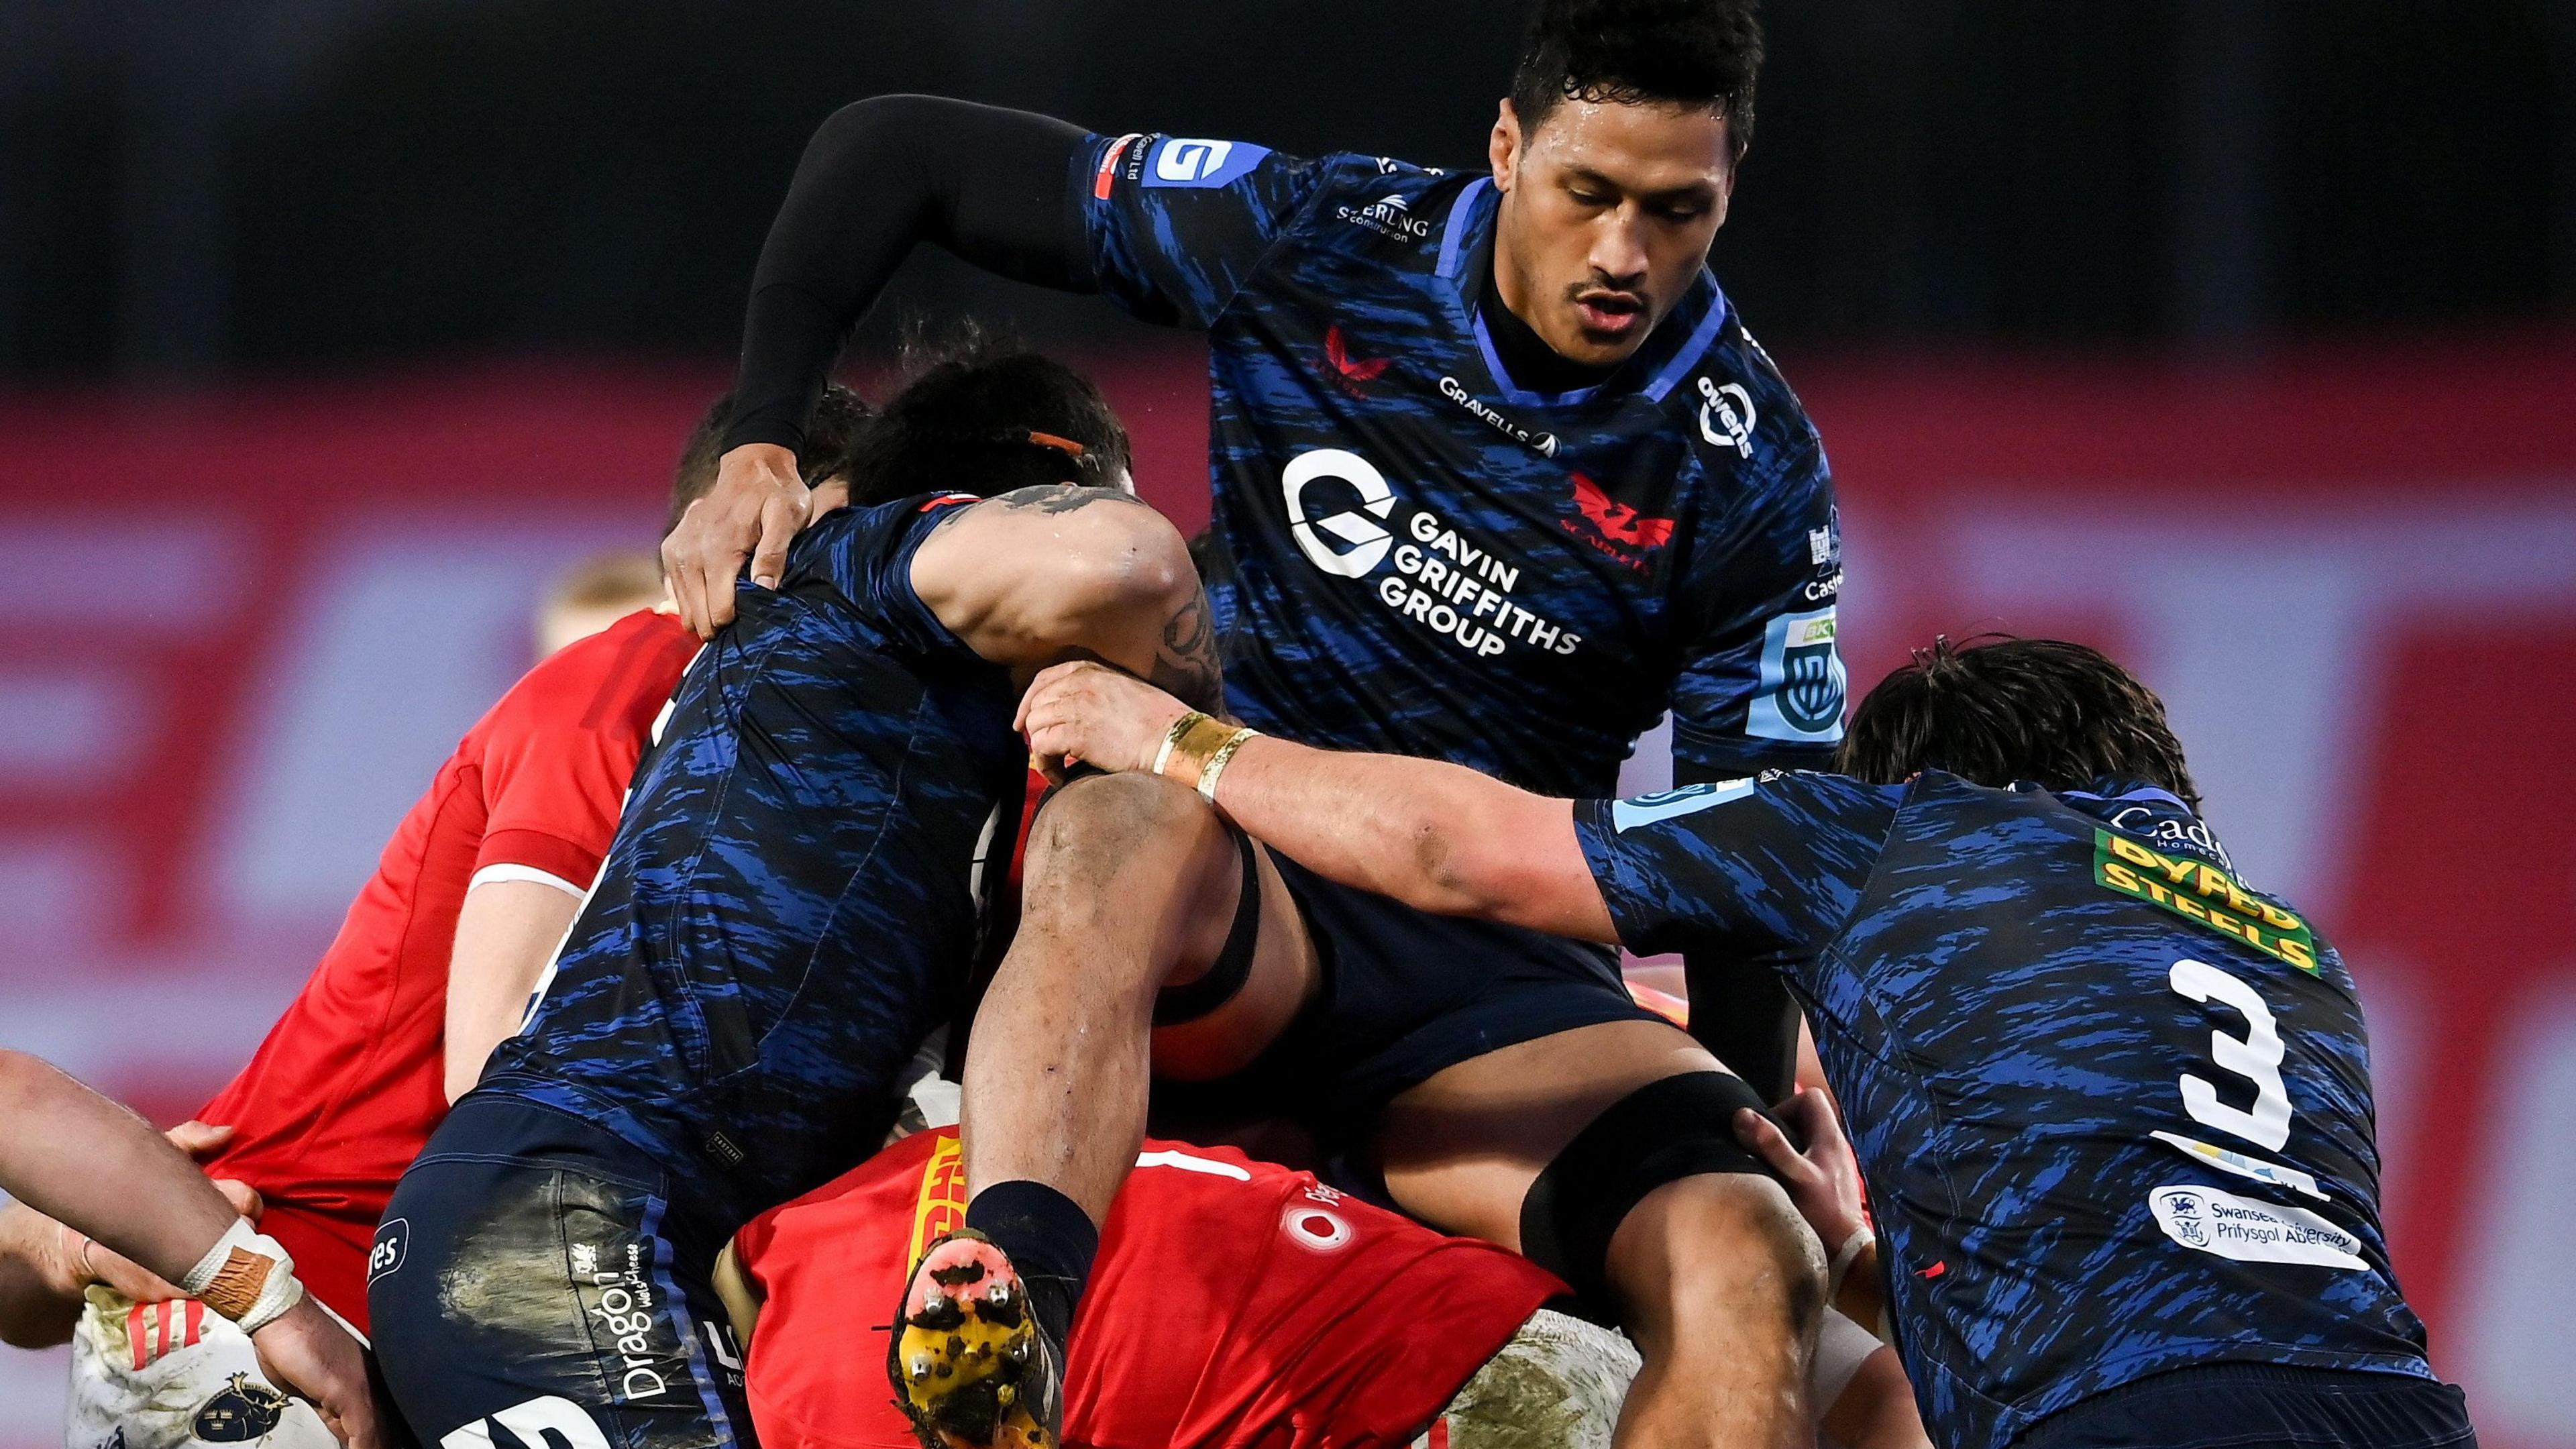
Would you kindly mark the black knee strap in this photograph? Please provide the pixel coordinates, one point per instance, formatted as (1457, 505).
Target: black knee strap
(1659, 1133)
(1233, 965)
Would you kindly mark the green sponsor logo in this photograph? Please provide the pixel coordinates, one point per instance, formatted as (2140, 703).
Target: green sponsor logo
(2204, 895)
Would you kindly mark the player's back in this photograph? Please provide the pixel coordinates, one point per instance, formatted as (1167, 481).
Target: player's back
(1234, 1304)
(348, 1084)
(759, 957)
(2114, 1105)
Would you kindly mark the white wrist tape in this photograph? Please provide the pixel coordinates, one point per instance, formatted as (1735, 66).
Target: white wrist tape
(1844, 1256)
(246, 1276)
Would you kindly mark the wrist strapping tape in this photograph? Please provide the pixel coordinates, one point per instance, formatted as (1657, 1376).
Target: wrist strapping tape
(1860, 1238)
(246, 1276)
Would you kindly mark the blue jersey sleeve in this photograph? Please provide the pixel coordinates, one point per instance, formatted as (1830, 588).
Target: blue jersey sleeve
(1771, 866)
(1762, 684)
(863, 558)
(1175, 223)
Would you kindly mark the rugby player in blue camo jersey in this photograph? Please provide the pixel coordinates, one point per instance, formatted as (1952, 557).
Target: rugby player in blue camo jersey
(2112, 1103)
(786, 912)
(1499, 477)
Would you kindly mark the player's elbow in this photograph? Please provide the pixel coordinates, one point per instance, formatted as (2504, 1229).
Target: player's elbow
(1115, 566)
(877, 125)
(1463, 871)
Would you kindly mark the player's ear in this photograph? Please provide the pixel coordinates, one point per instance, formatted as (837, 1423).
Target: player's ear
(1504, 146)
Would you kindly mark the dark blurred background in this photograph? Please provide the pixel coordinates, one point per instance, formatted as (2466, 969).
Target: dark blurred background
(192, 187)
(2235, 336)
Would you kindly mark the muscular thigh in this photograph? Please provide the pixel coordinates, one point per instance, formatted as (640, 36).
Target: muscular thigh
(1460, 1149)
(1284, 977)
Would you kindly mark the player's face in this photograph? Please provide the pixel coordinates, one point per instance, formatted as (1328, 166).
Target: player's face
(1608, 211)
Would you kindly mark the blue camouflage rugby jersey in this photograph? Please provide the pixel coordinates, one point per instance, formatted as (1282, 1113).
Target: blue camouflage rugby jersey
(2113, 1104)
(1423, 557)
(789, 898)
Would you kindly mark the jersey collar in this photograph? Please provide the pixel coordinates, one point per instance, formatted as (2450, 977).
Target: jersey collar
(1466, 259)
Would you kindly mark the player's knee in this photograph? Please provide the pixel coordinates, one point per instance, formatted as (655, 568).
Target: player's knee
(1138, 830)
(1659, 1183)
(1734, 1227)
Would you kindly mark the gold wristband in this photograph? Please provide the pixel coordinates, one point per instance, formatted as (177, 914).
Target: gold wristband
(1171, 737)
(1193, 741)
(1217, 762)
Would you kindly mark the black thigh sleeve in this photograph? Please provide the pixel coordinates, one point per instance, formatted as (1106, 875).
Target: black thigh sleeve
(993, 186)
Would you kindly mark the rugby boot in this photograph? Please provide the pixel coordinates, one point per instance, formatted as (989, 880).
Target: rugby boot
(972, 1368)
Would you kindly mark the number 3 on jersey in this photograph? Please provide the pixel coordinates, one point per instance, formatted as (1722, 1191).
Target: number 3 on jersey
(2255, 1056)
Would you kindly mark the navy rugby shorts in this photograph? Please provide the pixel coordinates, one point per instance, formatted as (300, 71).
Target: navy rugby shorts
(2263, 1406)
(1407, 994)
(533, 1277)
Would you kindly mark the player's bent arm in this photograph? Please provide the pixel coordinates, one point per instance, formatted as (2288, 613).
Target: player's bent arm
(1439, 837)
(506, 932)
(1436, 836)
(95, 1167)
(879, 177)
(80, 1159)
(1042, 575)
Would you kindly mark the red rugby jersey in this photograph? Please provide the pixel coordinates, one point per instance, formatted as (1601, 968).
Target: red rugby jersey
(1235, 1304)
(346, 1088)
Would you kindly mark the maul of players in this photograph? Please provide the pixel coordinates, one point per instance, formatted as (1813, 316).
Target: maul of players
(1499, 478)
(2117, 1141)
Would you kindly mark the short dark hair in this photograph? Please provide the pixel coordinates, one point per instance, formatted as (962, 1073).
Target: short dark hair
(839, 415)
(985, 417)
(1996, 709)
(1626, 52)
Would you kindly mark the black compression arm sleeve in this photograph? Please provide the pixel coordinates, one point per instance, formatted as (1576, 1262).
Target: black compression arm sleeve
(1741, 1010)
(990, 185)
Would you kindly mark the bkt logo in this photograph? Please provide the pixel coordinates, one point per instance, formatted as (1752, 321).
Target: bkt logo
(1802, 681)
(1367, 542)
(1726, 416)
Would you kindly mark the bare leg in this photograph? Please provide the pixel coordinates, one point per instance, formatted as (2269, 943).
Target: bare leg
(1716, 1277)
(1132, 884)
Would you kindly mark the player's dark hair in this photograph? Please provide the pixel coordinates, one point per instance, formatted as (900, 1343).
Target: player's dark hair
(981, 416)
(1697, 53)
(839, 415)
(1997, 709)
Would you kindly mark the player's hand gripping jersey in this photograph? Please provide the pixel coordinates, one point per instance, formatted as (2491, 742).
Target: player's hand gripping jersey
(348, 1084)
(1322, 1322)
(1423, 557)
(2112, 1104)
(759, 958)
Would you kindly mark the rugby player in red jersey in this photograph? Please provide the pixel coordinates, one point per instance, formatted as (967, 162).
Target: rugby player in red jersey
(433, 965)
(1236, 1304)
(441, 950)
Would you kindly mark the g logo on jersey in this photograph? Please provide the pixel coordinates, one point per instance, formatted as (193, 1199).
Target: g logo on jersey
(1802, 681)
(1368, 543)
(1190, 161)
